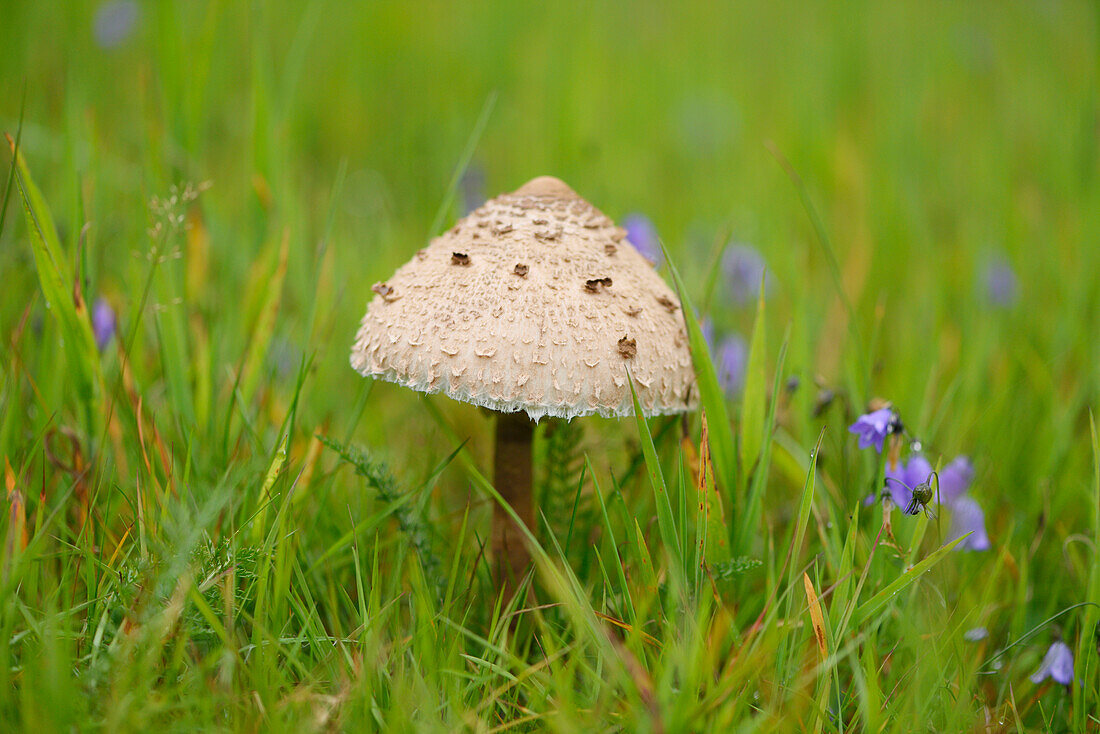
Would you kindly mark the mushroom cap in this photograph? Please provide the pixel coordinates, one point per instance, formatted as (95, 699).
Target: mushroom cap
(536, 302)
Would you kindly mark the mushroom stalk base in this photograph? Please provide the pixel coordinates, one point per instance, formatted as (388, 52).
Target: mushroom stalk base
(512, 478)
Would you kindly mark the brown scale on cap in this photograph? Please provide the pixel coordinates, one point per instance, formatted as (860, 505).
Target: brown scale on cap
(460, 258)
(628, 348)
(542, 347)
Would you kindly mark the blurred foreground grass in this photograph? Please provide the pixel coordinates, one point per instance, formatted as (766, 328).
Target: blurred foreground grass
(182, 550)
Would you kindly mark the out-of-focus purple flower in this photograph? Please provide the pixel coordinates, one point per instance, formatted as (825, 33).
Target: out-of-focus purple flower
(114, 21)
(967, 517)
(872, 428)
(104, 323)
(1057, 665)
(732, 358)
(473, 188)
(976, 634)
(643, 235)
(707, 327)
(1001, 284)
(955, 479)
(743, 268)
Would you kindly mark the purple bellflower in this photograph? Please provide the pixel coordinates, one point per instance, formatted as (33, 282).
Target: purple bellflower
(872, 428)
(967, 517)
(732, 358)
(1057, 665)
(472, 185)
(643, 235)
(955, 479)
(114, 21)
(743, 267)
(1001, 284)
(104, 323)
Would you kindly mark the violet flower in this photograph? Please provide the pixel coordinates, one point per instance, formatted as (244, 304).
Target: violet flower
(1057, 665)
(113, 23)
(743, 267)
(472, 185)
(873, 428)
(641, 233)
(104, 323)
(967, 517)
(1001, 285)
(732, 358)
(955, 479)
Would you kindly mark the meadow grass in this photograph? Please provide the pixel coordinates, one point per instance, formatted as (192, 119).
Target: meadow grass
(213, 523)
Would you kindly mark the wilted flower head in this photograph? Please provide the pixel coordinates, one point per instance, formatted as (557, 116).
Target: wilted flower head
(1057, 665)
(1001, 284)
(743, 267)
(903, 478)
(114, 21)
(732, 359)
(873, 428)
(967, 517)
(104, 323)
(643, 235)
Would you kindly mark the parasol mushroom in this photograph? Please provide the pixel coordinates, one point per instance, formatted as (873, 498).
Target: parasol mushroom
(533, 305)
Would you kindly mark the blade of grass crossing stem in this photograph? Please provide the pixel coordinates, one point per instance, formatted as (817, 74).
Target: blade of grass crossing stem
(755, 500)
(620, 572)
(754, 397)
(59, 287)
(875, 604)
(264, 498)
(845, 570)
(666, 523)
(265, 323)
(711, 397)
(1086, 649)
(830, 257)
(463, 162)
(805, 508)
(11, 169)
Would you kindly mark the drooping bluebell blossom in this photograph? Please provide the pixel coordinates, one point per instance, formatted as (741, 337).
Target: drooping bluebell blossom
(743, 268)
(976, 634)
(955, 479)
(1057, 665)
(643, 235)
(113, 23)
(104, 323)
(872, 428)
(1001, 284)
(967, 517)
(732, 359)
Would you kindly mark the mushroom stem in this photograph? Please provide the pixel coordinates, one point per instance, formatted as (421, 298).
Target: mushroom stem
(512, 476)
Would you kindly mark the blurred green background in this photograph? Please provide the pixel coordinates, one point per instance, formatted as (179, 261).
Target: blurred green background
(935, 139)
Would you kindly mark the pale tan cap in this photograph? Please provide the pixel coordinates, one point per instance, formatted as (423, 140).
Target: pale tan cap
(533, 302)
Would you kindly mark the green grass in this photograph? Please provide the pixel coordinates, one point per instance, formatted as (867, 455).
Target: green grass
(215, 524)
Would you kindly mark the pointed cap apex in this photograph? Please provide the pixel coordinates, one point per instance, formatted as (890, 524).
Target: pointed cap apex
(546, 186)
